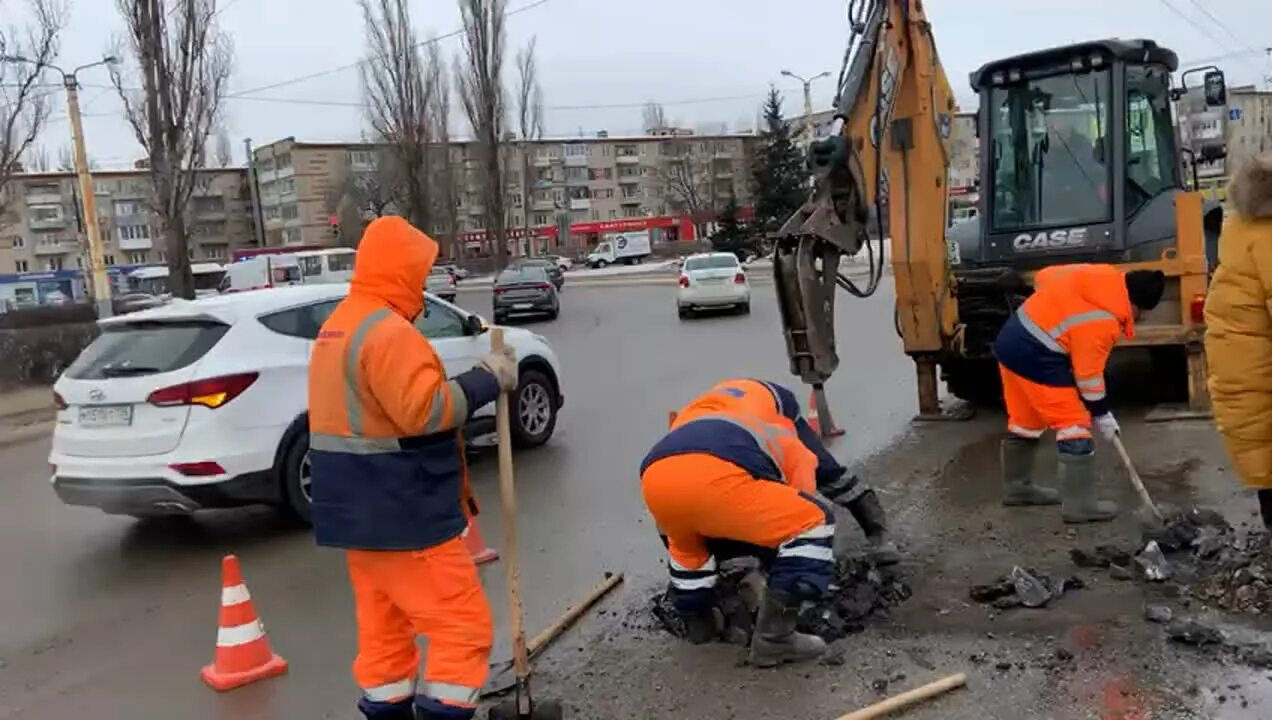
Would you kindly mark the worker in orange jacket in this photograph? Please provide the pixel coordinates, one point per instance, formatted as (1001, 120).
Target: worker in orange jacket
(764, 399)
(390, 485)
(723, 477)
(1051, 355)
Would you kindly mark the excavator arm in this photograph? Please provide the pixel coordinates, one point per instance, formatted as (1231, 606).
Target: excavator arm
(891, 155)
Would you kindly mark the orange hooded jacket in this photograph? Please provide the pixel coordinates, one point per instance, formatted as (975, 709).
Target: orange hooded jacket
(387, 466)
(1063, 334)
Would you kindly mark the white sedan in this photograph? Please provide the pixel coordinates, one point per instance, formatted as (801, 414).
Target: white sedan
(710, 281)
(204, 404)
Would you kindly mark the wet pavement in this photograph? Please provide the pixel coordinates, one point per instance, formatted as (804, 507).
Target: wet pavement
(111, 618)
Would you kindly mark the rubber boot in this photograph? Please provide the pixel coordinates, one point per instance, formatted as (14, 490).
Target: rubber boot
(1077, 491)
(1019, 456)
(869, 514)
(775, 640)
(1265, 508)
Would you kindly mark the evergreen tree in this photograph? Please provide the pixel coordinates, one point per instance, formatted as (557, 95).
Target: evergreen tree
(779, 171)
(730, 234)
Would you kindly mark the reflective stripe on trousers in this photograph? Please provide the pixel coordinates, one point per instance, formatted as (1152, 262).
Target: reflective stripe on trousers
(1023, 432)
(390, 692)
(813, 544)
(689, 579)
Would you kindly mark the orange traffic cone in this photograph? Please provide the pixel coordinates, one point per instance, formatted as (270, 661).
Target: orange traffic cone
(243, 654)
(477, 548)
(814, 419)
(671, 418)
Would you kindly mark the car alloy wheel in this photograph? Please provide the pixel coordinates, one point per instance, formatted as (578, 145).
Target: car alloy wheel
(306, 478)
(534, 408)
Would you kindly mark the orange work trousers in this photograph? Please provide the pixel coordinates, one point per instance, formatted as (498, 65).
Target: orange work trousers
(435, 592)
(1033, 408)
(698, 496)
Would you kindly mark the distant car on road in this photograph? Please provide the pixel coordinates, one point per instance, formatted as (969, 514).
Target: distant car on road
(563, 262)
(710, 281)
(203, 404)
(132, 302)
(441, 283)
(525, 290)
(553, 269)
(459, 272)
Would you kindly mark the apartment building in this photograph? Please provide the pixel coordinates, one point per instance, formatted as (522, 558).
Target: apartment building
(648, 181)
(41, 228)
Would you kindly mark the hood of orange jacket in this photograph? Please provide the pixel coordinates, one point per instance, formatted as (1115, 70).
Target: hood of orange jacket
(392, 265)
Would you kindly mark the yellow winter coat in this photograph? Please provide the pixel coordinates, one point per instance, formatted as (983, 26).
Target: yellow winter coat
(1239, 325)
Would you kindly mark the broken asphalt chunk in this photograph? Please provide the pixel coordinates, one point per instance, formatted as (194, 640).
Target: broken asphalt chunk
(1152, 563)
(1191, 632)
(1032, 592)
(1158, 613)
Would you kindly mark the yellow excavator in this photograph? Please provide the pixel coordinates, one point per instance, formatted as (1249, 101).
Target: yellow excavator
(1079, 162)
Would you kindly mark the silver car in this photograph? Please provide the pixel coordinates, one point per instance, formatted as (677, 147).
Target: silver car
(441, 283)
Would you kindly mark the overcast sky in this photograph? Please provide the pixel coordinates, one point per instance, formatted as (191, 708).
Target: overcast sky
(600, 60)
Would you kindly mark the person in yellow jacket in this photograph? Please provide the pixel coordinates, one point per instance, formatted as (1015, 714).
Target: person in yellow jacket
(1239, 329)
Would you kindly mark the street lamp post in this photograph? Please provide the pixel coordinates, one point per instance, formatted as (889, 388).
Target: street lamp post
(808, 101)
(88, 202)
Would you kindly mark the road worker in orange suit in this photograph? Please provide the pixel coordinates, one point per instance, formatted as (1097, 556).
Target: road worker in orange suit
(723, 476)
(1051, 355)
(762, 398)
(390, 484)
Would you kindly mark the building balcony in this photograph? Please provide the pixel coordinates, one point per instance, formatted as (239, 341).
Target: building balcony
(48, 223)
(210, 214)
(630, 200)
(576, 160)
(44, 198)
(136, 244)
(627, 159)
(544, 205)
(541, 162)
(722, 154)
(57, 248)
(580, 203)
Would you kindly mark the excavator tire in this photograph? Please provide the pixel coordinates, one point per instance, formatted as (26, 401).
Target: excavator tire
(974, 380)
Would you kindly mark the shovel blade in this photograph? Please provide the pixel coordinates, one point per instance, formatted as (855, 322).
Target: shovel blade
(541, 710)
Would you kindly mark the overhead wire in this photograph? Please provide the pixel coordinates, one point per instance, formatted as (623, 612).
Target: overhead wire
(1203, 28)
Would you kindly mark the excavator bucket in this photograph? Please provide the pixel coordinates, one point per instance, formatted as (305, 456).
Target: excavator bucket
(804, 271)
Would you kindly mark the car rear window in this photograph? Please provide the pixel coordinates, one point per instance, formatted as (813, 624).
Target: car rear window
(146, 348)
(711, 262)
(521, 274)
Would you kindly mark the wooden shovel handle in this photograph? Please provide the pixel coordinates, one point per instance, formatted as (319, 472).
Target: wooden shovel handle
(508, 498)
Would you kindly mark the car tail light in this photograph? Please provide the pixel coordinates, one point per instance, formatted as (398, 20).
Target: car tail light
(500, 290)
(739, 278)
(210, 393)
(543, 286)
(59, 401)
(205, 468)
(684, 281)
(1198, 308)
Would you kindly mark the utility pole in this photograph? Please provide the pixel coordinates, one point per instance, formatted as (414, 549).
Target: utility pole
(258, 229)
(88, 204)
(808, 102)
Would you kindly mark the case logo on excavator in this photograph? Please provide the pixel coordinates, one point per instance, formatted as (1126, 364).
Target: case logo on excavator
(1028, 242)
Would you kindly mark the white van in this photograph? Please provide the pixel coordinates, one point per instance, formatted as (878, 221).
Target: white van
(262, 271)
(208, 279)
(326, 266)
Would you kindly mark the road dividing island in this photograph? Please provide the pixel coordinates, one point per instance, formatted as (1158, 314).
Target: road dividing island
(243, 654)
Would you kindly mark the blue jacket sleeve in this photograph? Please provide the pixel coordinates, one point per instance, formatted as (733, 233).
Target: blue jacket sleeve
(480, 387)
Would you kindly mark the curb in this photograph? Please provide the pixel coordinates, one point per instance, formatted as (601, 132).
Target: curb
(26, 433)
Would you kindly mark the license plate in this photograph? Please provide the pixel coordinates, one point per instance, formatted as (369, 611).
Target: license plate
(712, 281)
(523, 306)
(105, 415)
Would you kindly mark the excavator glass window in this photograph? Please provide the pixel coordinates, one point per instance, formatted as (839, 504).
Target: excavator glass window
(1150, 137)
(1050, 151)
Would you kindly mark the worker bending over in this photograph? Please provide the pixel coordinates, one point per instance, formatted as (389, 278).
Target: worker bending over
(732, 472)
(1051, 354)
(762, 399)
(390, 484)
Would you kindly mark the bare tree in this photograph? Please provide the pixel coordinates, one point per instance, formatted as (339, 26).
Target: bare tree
(358, 196)
(183, 61)
(481, 90)
(65, 158)
(685, 182)
(397, 89)
(445, 174)
(529, 121)
(655, 117)
(222, 151)
(24, 103)
(36, 159)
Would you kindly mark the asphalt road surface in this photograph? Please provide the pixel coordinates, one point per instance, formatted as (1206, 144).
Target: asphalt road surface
(108, 617)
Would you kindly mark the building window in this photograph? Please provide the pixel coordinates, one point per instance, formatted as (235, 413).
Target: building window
(575, 150)
(271, 213)
(600, 173)
(612, 214)
(632, 191)
(575, 173)
(54, 264)
(79, 262)
(629, 171)
(625, 150)
(136, 258)
(46, 212)
(43, 189)
(631, 211)
(291, 236)
(108, 259)
(126, 207)
(134, 232)
(163, 256)
(540, 218)
(282, 162)
(18, 242)
(20, 265)
(361, 158)
(286, 186)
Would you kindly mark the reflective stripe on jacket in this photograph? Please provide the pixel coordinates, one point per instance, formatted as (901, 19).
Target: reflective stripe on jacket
(765, 450)
(1063, 334)
(388, 470)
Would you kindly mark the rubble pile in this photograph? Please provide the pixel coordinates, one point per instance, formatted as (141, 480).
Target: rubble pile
(1024, 588)
(860, 591)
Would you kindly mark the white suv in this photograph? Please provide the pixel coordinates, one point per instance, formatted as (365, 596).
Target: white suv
(204, 404)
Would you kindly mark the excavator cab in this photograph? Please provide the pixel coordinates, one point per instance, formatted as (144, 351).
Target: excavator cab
(1080, 161)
